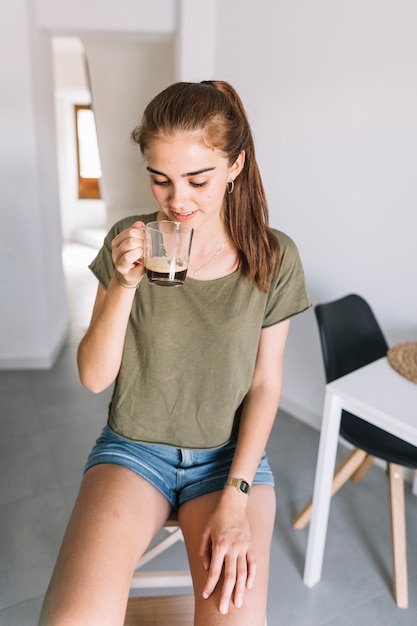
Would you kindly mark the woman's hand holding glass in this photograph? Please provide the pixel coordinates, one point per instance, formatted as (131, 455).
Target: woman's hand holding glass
(226, 549)
(127, 254)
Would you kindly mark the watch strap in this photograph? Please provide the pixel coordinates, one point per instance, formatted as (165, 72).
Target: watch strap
(240, 484)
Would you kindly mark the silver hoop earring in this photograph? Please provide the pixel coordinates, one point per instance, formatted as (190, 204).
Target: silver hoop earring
(230, 186)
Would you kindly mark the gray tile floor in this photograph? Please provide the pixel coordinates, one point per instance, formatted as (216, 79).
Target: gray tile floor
(49, 423)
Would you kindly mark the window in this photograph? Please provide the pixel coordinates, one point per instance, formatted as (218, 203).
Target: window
(88, 157)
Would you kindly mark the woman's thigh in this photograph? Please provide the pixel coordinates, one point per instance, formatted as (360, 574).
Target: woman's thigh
(193, 516)
(114, 518)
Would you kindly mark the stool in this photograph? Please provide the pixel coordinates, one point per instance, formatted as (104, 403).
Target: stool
(160, 611)
(160, 579)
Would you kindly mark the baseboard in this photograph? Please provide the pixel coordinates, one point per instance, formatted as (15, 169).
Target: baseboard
(304, 414)
(38, 362)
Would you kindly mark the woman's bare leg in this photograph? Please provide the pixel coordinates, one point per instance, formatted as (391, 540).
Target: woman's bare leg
(116, 515)
(261, 512)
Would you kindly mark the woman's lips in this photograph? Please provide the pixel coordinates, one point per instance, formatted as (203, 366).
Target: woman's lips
(183, 217)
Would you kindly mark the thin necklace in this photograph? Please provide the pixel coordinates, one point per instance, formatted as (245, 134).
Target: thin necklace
(198, 270)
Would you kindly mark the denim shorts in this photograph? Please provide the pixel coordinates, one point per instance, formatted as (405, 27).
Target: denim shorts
(179, 474)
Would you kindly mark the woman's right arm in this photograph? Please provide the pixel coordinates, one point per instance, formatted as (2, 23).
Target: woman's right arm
(100, 351)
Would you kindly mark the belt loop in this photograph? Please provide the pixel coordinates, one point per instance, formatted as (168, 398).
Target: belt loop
(186, 457)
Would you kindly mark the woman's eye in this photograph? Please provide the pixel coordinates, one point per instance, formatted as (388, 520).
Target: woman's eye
(161, 183)
(197, 185)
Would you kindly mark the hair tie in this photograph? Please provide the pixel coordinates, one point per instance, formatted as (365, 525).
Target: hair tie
(208, 82)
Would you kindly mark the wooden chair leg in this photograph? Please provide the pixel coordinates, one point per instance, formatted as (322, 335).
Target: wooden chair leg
(344, 471)
(363, 469)
(398, 534)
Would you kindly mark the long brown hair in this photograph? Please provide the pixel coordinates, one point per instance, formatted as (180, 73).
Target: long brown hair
(215, 108)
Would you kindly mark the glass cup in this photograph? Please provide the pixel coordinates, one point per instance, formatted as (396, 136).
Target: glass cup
(166, 252)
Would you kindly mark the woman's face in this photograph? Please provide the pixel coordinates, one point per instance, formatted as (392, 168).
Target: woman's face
(188, 180)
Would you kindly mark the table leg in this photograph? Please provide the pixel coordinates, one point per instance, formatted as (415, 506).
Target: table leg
(322, 488)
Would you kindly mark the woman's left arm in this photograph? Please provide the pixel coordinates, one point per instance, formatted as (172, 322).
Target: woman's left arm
(227, 541)
(261, 402)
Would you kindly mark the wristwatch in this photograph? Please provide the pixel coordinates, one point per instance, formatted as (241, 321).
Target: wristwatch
(240, 484)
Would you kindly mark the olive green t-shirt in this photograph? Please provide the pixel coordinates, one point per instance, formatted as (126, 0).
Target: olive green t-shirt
(190, 351)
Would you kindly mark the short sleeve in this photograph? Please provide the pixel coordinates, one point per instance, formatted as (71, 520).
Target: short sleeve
(288, 293)
(102, 266)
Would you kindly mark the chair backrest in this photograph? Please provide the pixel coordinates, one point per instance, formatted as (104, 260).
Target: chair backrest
(350, 335)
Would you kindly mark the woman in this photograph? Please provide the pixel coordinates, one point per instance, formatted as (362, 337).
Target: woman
(197, 372)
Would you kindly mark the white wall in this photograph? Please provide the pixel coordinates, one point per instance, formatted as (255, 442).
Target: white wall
(196, 39)
(331, 90)
(117, 76)
(34, 311)
(33, 314)
(71, 87)
(124, 76)
(109, 16)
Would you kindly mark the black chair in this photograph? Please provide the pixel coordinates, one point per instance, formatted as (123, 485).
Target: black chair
(350, 338)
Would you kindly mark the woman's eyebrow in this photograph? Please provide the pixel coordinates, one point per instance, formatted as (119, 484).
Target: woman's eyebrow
(205, 169)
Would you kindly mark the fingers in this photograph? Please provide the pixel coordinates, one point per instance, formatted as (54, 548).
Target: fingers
(128, 245)
(252, 566)
(127, 252)
(238, 569)
(235, 574)
(215, 571)
(241, 582)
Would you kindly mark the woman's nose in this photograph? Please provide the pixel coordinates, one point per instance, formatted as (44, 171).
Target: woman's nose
(177, 198)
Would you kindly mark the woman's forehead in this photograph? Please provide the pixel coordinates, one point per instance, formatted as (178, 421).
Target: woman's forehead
(183, 147)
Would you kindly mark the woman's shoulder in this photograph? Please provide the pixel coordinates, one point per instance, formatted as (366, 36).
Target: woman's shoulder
(287, 246)
(126, 222)
(289, 260)
(283, 238)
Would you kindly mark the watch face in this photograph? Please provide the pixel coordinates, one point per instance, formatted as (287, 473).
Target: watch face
(244, 486)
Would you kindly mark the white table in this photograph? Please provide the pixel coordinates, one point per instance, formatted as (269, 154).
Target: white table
(381, 396)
